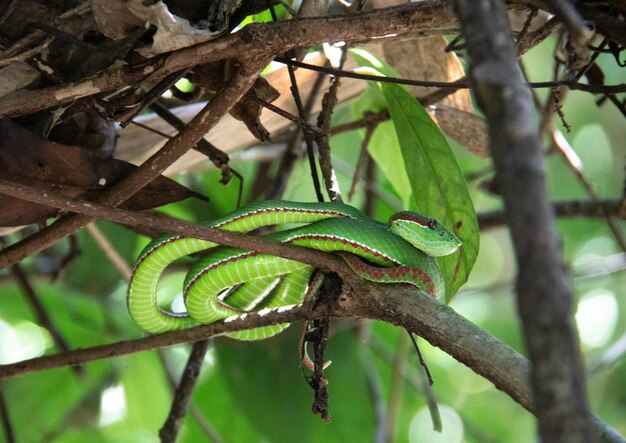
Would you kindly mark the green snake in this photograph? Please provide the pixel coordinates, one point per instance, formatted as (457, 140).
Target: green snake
(230, 281)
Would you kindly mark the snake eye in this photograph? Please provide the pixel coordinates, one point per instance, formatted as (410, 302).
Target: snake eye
(432, 225)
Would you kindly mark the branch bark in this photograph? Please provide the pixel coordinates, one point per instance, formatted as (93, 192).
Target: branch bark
(400, 305)
(182, 397)
(543, 293)
(252, 42)
(261, 245)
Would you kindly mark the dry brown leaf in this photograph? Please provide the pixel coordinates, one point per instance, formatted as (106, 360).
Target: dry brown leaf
(114, 19)
(466, 128)
(213, 76)
(71, 170)
(172, 33)
(425, 58)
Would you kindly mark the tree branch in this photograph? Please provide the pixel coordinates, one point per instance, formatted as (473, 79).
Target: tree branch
(543, 294)
(173, 149)
(171, 427)
(173, 226)
(570, 209)
(261, 40)
(398, 304)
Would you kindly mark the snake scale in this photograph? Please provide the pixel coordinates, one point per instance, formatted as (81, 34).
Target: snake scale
(230, 281)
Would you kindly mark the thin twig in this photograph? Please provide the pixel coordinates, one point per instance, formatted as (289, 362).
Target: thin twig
(397, 387)
(218, 157)
(363, 160)
(532, 14)
(569, 209)
(44, 195)
(171, 427)
(293, 151)
(197, 414)
(370, 177)
(109, 251)
(297, 120)
(41, 313)
(152, 342)
(370, 119)
(426, 387)
(5, 418)
(336, 72)
(530, 40)
(564, 148)
(457, 84)
(329, 101)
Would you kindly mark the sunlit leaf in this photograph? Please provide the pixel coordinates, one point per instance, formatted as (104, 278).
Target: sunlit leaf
(434, 177)
(439, 188)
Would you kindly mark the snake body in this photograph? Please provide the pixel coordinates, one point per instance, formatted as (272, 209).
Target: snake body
(230, 281)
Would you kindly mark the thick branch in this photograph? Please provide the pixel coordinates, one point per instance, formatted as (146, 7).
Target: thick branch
(544, 296)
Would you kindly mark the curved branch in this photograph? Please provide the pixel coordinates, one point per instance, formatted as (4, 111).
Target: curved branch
(400, 305)
(87, 209)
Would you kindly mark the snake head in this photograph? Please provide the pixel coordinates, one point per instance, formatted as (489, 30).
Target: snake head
(425, 233)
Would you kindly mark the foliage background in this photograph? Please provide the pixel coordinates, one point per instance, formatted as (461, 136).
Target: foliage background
(255, 391)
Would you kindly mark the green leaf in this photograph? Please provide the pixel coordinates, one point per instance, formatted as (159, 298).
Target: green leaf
(383, 146)
(270, 394)
(436, 182)
(438, 186)
(365, 59)
(146, 391)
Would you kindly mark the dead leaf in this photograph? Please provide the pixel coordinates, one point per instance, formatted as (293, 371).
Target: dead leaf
(213, 76)
(86, 129)
(72, 171)
(425, 58)
(114, 19)
(17, 76)
(172, 33)
(466, 128)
